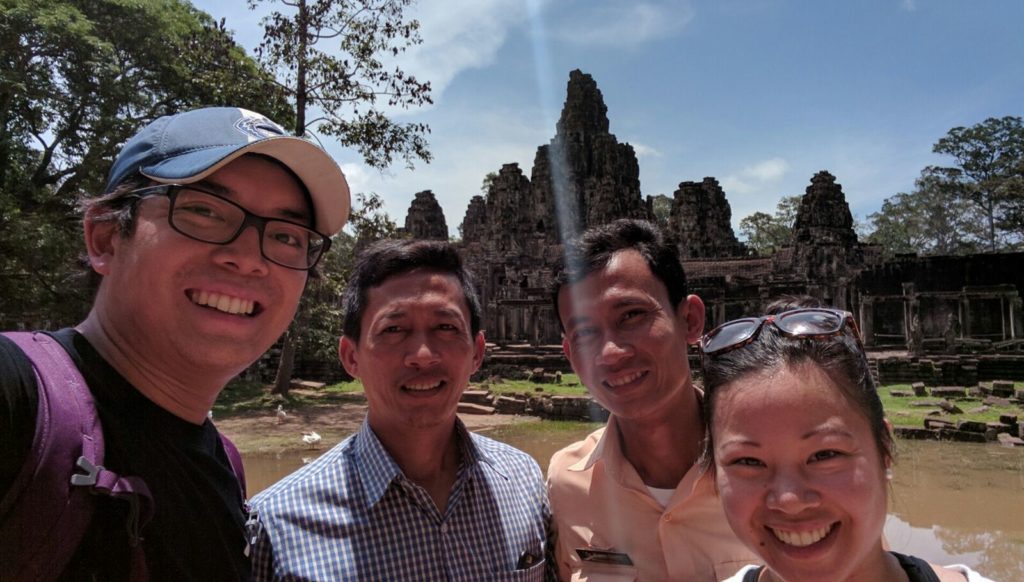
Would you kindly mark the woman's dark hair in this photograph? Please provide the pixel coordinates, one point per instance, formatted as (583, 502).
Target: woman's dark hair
(390, 258)
(787, 302)
(593, 250)
(841, 357)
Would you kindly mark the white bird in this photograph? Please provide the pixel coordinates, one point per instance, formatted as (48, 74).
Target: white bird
(311, 439)
(281, 414)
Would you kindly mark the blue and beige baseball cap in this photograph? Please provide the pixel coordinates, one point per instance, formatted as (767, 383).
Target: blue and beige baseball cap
(187, 147)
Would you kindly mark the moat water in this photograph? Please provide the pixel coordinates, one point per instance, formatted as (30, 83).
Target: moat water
(950, 502)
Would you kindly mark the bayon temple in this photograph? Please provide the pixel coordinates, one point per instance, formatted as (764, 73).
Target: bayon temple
(511, 239)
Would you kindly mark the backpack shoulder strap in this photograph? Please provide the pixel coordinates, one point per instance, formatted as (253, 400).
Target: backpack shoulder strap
(45, 516)
(235, 458)
(49, 506)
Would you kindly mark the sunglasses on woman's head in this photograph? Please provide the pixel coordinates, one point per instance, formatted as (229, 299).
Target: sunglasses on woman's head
(802, 323)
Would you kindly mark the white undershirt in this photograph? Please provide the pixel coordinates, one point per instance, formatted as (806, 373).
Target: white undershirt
(661, 495)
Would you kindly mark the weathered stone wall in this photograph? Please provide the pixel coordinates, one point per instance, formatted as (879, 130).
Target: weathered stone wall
(701, 221)
(425, 218)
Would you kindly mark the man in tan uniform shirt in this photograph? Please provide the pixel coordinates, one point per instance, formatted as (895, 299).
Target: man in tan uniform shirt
(631, 501)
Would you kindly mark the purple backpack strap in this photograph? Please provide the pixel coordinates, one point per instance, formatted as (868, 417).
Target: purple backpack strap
(236, 463)
(48, 508)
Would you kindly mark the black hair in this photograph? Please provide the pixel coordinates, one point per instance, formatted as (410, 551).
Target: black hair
(788, 302)
(592, 250)
(389, 258)
(841, 357)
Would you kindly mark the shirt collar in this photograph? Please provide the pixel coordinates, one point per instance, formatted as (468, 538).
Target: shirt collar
(378, 469)
(607, 447)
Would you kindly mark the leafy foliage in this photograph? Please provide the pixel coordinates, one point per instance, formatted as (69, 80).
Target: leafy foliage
(926, 221)
(765, 233)
(988, 173)
(975, 205)
(76, 80)
(347, 80)
(661, 206)
(317, 328)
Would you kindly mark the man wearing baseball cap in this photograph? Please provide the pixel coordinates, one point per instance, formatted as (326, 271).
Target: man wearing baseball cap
(203, 238)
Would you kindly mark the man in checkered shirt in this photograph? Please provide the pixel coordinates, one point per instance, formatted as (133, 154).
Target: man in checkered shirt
(412, 495)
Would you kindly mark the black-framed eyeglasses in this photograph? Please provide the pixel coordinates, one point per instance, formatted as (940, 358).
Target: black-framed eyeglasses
(803, 323)
(208, 217)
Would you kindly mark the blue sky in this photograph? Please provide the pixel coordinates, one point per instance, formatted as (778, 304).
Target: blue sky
(760, 94)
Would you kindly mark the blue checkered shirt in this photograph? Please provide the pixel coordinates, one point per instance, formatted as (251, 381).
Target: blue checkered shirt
(353, 515)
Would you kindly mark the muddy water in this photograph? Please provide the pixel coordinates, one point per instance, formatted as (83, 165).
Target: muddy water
(950, 502)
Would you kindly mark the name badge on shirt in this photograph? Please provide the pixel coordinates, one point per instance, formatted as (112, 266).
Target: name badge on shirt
(603, 557)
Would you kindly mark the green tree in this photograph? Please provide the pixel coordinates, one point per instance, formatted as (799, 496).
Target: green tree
(76, 80)
(930, 220)
(485, 186)
(765, 233)
(332, 58)
(321, 301)
(661, 207)
(988, 164)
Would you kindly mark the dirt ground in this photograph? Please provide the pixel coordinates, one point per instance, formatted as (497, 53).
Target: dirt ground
(259, 432)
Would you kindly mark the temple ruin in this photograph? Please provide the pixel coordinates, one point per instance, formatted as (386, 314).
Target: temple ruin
(512, 238)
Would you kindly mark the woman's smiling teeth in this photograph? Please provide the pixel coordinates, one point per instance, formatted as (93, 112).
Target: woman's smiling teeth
(621, 381)
(225, 303)
(423, 385)
(801, 539)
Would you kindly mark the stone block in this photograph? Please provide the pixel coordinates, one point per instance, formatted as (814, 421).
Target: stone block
(901, 393)
(509, 405)
(961, 436)
(979, 410)
(931, 423)
(919, 389)
(482, 397)
(971, 426)
(950, 407)
(1002, 388)
(949, 392)
(1000, 428)
(1010, 419)
(1010, 440)
(925, 404)
(996, 401)
(467, 408)
(1005, 384)
(914, 433)
(541, 376)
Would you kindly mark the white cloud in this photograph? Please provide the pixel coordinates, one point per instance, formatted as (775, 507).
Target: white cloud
(755, 177)
(623, 23)
(474, 143)
(645, 151)
(457, 38)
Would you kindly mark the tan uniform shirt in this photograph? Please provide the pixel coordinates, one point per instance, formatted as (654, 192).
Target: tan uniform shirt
(599, 502)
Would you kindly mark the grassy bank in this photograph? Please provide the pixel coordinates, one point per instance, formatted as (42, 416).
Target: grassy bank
(911, 411)
(242, 397)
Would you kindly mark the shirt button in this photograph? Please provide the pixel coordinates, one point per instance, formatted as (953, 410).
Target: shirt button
(444, 528)
(667, 518)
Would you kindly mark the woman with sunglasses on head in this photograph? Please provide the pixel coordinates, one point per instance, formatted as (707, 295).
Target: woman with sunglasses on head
(801, 450)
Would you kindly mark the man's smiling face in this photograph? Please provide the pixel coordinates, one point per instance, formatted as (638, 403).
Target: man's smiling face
(624, 338)
(416, 350)
(197, 305)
